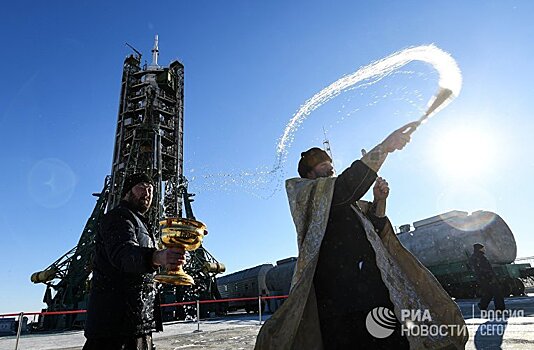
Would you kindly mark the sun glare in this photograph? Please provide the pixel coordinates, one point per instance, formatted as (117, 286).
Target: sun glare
(464, 152)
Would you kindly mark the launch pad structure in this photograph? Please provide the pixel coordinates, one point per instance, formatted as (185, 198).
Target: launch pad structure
(149, 139)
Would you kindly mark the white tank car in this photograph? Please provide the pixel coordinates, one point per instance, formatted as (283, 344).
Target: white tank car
(448, 238)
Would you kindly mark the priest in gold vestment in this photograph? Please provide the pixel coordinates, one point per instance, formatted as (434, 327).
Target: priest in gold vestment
(351, 264)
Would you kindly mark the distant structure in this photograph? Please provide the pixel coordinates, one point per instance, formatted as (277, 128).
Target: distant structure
(149, 135)
(326, 147)
(326, 144)
(148, 138)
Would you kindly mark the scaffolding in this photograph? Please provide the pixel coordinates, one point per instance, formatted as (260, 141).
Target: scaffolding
(149, 139)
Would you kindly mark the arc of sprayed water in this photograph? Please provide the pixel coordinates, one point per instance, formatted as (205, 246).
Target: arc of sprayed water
(450, 83)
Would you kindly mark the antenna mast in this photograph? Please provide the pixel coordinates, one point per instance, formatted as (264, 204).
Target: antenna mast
(326, 146)
(136, 52)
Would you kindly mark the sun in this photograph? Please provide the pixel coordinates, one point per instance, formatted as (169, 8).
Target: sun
(464, 152)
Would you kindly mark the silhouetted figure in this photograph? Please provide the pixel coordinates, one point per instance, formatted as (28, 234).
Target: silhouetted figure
(487, 279)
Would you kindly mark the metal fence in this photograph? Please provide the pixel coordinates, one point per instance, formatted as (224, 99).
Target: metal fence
(20, 315)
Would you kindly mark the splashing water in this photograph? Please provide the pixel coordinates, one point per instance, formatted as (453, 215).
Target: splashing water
(450, 79)
(450, 83)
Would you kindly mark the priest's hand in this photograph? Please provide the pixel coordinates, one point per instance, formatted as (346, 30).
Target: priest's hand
(380, 190)
(399, 138)
(395, 141)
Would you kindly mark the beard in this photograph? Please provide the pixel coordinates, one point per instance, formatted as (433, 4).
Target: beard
(329, 173)
(141, 204)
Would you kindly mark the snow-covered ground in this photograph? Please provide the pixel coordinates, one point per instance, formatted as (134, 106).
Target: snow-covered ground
(239, 332)
(234, 332)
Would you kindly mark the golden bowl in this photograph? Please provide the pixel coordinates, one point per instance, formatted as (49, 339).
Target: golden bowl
(180, 232)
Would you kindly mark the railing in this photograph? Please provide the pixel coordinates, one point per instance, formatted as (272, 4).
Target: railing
(183, 303)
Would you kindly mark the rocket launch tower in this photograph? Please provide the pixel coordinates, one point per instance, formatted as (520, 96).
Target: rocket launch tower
(148, 138)
(149, 135)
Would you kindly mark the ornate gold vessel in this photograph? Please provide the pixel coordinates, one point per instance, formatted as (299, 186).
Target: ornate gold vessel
(184, 233)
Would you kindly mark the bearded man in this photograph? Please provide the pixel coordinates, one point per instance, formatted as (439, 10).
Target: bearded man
(123, 305)
(351, 264)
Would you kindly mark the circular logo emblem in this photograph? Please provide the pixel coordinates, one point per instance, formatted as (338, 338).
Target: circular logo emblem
(380, 322)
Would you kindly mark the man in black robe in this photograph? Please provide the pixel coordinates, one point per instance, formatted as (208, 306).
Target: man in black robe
(348, 283)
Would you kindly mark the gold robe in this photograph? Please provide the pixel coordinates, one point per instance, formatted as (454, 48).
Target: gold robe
(295, 325)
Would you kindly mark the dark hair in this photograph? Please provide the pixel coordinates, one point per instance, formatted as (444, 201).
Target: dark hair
(133, 180)
(310, 158)
(478, 246)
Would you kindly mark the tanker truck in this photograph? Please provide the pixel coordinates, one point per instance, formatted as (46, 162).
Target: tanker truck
(443, 244)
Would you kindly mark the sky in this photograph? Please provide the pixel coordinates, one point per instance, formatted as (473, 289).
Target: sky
(249, 66)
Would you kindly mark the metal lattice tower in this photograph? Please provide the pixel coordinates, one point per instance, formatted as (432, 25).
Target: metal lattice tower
(149, 135)
(148, 138)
